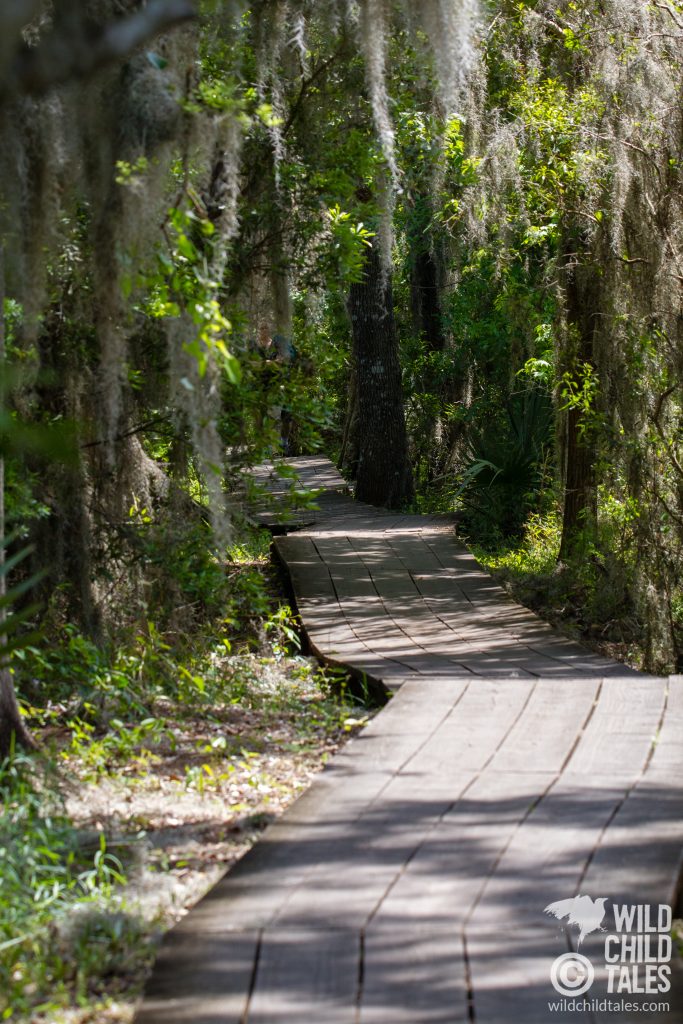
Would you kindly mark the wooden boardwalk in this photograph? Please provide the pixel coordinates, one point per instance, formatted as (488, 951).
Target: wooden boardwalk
(510, 770)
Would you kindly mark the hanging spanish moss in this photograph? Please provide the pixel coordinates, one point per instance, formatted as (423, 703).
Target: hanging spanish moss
(374, 34)
(452, 29)
(86, 167)
(619, 245)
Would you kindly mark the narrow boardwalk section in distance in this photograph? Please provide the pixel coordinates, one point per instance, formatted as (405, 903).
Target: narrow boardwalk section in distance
(512, 769)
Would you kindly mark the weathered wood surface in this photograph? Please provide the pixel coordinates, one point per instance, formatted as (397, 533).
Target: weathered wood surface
(511, 769)
(276, 496)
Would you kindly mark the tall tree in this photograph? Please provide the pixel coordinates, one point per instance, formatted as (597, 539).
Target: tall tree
(384, 476)
(52, 162)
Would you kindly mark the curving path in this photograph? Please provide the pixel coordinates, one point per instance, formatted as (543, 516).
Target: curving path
(511, 769)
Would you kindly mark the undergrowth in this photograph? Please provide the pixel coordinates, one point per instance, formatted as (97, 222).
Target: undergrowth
(586, 595)
(49, 871)
(228, 711)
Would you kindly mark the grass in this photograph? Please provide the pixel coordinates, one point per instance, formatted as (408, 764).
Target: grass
(586, 598)
(48, 868)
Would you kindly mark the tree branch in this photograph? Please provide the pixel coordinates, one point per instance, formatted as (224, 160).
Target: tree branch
(63, 57)
(306, 83)
(670, 11)
(141, 428)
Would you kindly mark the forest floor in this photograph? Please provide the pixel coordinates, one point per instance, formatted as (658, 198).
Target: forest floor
(178, 810)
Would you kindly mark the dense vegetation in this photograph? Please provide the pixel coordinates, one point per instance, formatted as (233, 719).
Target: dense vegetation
(439, 242)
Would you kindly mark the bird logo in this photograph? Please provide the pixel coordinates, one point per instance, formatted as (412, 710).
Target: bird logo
(583, 912)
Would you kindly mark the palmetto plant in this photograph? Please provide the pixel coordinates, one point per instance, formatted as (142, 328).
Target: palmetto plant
(506, 463)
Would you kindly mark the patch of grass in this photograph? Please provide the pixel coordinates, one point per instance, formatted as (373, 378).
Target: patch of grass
(50, 872)
(534, 557)
(588, 597)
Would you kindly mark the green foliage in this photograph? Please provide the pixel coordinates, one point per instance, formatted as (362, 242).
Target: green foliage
(282, 626)
(591, 593)
(50, 872)
(349, 245)
(107, 694)
(127, 743)
(579, 390)
(507, 467)
(131, 173)
(186, 282)
(535, 555)
(179, 562)
(22, 506)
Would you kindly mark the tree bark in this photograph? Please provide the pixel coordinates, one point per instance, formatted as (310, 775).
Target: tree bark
(13, 732)
(384, 475)
(426, 299)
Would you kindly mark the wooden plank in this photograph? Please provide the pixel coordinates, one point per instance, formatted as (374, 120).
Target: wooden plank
(378, 844)
(444, 879)
(413, 972)
(200, 978)
(543, 737)
(667, 752)
(546, 857)
(475, 729)
(544, 862)
(620, 736)
(306, 975)
(648, 825)
(510, 976)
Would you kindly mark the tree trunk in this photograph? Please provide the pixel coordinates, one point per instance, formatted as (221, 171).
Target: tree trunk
(426, 299)
(13, 732)
(384, 476)
(64, 543)
(580, 492)
(283, 333)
